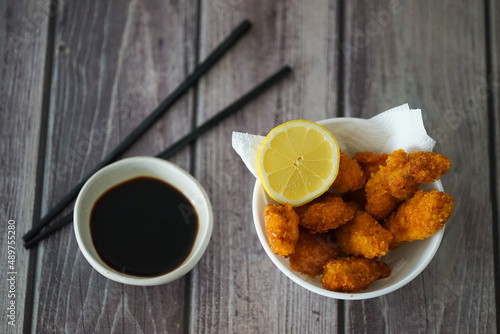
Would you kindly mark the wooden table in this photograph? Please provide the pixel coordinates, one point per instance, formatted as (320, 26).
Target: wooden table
(79, 77)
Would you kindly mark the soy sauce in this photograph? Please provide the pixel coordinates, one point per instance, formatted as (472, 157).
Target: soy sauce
(143, 227)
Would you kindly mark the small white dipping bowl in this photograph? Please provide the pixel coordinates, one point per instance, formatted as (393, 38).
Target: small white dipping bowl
(406, 262)
(131, 168)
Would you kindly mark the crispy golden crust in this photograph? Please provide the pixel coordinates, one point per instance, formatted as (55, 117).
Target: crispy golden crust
(391, 180)
(282, 228)
(427, 167)
(363, 236)
(396, 174)
(326, 212)
(379, 201)
(400, 179)
(352, 274)
(350, 176)
(419, 217)
(405, 172)
(369, 162)
(312, 252)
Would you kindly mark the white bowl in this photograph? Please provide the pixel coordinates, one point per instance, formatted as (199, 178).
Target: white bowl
(406, 262)
(127, 169)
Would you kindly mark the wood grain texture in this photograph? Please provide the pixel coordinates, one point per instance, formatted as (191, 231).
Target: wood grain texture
(431, 55)
(114, 63)
(23, 32)
(235, 287)
(494, 12)
(494, 105)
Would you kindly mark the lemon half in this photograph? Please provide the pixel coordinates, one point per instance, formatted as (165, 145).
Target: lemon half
(297, 162)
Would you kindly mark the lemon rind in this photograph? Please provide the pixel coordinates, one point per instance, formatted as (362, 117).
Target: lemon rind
(313, 195)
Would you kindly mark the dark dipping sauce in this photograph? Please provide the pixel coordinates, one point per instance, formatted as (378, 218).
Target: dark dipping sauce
(143, 227)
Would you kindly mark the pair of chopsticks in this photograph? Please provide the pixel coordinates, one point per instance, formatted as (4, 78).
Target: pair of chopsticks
(42, 229)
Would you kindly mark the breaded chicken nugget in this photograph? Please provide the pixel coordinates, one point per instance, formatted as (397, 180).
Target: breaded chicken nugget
(379, 201)
(326, 212)
(419, 217)
(312, 252)
(363, 236)
(408, 171)
(352, 274)
(427, 167)
(400, 179)
(282, 228)
(350, 176)
(369, 162)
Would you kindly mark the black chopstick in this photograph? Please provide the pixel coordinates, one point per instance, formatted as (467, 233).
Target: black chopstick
(259, 89)
(145, 124)
(256, 91)
(49, 230)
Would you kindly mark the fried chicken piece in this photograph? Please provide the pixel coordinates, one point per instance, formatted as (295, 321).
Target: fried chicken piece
(352, 274)
(427, 167)
(400, 179)
(369, 162)
(312, 252)
(350, 176)
(379, 201)
(419, 217)
(326, 212)
(282, 228)
(408, 171)
(363, 236)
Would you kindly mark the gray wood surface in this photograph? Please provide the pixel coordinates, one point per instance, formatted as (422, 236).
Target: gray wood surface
(23, 31)
(432, 55)
(494, 108)
(114, 61)
(236, 288)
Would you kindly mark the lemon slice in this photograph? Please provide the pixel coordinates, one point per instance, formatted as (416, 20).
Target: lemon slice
(297, 162)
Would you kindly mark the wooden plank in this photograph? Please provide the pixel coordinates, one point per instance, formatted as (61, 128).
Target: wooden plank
(432, 55)
(114, 63)
(23, 35)
(235, 287)
(494, 135)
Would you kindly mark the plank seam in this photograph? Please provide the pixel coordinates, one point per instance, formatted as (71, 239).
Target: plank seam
(341, 113)
(340, 58)
(192, 169)
(28, 321)
(195, 89)
(492, 155)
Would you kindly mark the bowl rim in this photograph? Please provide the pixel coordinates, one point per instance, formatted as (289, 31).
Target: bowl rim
(259, 194)
(205, 221)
